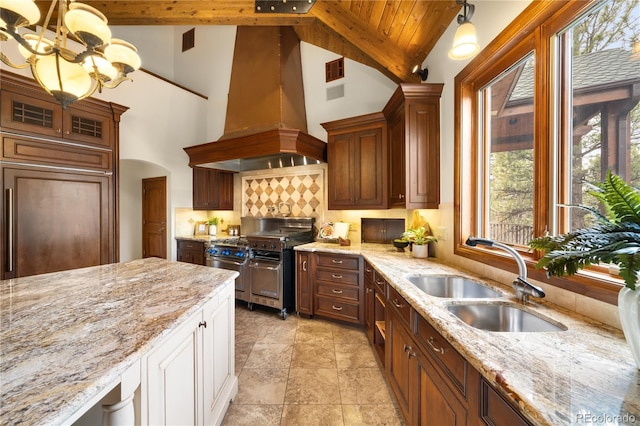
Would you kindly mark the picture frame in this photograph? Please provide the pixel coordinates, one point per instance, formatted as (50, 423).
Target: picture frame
(201, 228)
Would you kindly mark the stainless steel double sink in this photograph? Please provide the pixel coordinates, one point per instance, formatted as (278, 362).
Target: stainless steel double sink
(488, 315)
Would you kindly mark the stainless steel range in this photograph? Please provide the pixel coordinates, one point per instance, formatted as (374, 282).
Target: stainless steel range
(233, 254)
(271, 267)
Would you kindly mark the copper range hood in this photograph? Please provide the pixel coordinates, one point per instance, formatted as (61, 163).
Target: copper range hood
(266, 122)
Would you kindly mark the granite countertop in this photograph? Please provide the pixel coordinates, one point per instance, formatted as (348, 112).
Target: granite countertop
(585, 374)
(201, 238)
(66, 336)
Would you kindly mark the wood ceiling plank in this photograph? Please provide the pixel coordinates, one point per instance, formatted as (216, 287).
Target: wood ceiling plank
(403, 13)
(413, 24)
(376, 13)
(388, 15)
(435, 22)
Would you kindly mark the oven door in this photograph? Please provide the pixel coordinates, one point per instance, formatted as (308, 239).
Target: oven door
(265, 277)
(233, 265)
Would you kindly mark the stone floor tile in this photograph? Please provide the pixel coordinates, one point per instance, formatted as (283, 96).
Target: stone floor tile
(262, 386)
(313, 355)
(312, 415)
(378, 415)
(254, 415)
(312, 386)
(348, 334)
(363, 386)
(355, 356)
(270, 355)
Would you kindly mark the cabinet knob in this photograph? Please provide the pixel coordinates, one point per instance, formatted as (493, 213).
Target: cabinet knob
(400, 196)
(203, 324)
(58, 130)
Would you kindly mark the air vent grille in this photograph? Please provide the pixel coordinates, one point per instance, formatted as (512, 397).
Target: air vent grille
(33, 115)
(87, 127)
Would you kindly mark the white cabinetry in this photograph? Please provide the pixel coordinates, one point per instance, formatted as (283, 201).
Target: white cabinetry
(190, 378)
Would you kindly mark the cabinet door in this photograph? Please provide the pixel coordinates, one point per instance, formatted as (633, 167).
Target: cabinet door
(58, 221)
(29, 114)
(423, 156)
(398, 357)
(369, 301)
(218, 355)
(171, 383)
(87, 125)
(341, 171)
(371, 169)
(304, 287)
(433, 402)
(397, 160)
(224, 190)
(200, 188)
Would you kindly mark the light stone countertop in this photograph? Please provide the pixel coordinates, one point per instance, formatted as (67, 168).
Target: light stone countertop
(585, 374)
(66, 336)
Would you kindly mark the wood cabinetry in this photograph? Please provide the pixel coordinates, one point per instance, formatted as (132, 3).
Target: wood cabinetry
(357, 162)
(304, 286)
(191, 252)
(413, 119)
(212, 189)
(338, 292)
(381, 230)
(330, 285)
(190, 378)
(59, 179)
(495, 410)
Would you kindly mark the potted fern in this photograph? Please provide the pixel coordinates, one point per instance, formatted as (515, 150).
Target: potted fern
(613, 239)
(419, 238)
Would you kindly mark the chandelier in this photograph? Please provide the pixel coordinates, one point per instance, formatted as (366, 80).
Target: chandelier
(65, 74)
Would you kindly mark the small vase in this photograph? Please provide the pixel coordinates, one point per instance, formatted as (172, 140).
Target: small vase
(213, 229)
(420, 251)
(629, 308)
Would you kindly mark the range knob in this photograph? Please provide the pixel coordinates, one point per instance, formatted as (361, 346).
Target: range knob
(264, 245)
(273, 246)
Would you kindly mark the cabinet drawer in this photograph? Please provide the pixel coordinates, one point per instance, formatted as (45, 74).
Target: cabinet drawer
(51, 153)
(402, 308)
(190, 245)
(338, 276)
(335, 308)
(381, 283)
(338, 261)
(495, 410)
(453, 364)
(341, 292)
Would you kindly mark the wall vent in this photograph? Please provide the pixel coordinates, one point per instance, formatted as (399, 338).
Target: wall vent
(335, 92)
(189, 40)
(334, 69)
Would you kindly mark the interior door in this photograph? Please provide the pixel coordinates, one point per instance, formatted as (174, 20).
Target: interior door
(154, 217)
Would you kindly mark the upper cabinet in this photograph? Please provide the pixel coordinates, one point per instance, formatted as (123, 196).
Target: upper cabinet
(389, 159)
(413, 120)
(357, 162)
(212, 189)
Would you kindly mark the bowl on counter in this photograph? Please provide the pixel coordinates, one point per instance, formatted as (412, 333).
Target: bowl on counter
(400, 245)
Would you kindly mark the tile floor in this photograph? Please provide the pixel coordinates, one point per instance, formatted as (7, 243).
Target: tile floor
(306, 372)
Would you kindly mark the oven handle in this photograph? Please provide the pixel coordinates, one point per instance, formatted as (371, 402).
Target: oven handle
(221, 260)
(254, 264)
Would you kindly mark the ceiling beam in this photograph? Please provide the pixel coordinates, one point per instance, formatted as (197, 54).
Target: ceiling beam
(379, 48)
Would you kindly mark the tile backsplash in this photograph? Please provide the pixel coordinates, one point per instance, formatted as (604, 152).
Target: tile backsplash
(265, 196)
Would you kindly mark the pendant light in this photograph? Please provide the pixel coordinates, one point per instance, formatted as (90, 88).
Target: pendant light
(465, 42)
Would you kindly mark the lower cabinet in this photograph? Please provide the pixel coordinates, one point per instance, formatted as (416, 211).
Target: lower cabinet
(191, 252)
(190, 377)
(304, 287)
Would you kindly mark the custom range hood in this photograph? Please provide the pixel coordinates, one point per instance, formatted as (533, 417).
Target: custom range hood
(266, 122)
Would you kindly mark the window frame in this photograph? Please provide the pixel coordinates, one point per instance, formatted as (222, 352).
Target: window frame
(533, 30)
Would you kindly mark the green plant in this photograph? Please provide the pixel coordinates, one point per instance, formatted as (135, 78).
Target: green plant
(614, 239)
(214, 220)
(418, 236)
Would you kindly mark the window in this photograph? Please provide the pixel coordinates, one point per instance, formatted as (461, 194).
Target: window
(542, 115)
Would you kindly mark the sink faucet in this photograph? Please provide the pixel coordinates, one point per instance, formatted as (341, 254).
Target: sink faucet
(523, 288)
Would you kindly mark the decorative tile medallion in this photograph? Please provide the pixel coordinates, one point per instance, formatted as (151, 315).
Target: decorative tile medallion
(263, 196)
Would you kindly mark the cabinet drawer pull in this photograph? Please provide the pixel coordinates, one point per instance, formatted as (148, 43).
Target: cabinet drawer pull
(379, 282)
(433, 348)
(336, 308)
(408, 350)
(336, 291)
(337, 277)
(304, 265)
(397, 304)
(338, 262)
(203, 324)
(367, 269)
(369, 290)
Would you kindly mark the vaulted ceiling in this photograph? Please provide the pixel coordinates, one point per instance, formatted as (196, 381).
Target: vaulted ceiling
(389, 35)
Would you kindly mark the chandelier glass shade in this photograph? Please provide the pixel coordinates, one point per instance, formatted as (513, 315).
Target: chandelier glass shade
(64, 73)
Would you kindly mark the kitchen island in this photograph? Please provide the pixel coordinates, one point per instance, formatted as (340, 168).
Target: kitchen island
(73, 340)
(585, 374)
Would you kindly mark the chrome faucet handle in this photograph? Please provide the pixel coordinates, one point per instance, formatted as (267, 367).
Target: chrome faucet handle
(524, 289)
